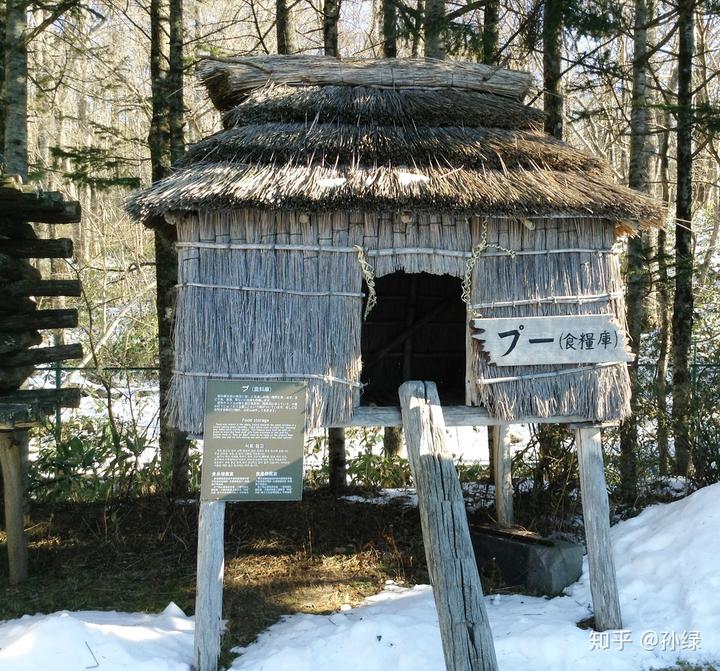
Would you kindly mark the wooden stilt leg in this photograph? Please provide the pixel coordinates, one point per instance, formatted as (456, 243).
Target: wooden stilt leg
(503, 476)
(208, 600)
(11, 461)
(337, 460)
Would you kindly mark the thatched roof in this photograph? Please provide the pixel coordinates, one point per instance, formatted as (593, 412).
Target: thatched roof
(386, 107)
(313, 133)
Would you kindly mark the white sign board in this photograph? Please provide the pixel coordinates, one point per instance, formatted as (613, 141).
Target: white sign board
(568, 339)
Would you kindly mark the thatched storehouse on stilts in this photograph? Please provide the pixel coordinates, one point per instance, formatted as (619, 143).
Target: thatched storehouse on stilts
(351, 216)
(348, 227)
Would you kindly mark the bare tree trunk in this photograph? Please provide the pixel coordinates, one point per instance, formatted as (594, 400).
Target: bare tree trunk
(552, 67)
(663, 292)
(159, 136)
(490, 34)
(637, 274)
(434, 29)
(336, 460)
(166, 141)
(176, 105)
(392, 441)
(179, 446)
(14, 444)
(3, 47)
(683, 301)
(331, 16)
(16, 107)
(548, 436)
(417, 31)
(389, 30)
(337, 464)
(285, 27)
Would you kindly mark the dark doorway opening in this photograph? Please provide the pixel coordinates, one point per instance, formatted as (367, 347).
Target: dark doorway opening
(415, 332)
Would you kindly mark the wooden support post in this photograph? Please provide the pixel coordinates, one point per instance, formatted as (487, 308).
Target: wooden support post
(466, 636)
(337, 462)
(503, 476)
(596, 514)
(209, 587)
(11, 461)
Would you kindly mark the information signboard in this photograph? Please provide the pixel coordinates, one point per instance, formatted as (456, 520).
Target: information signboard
(253, 441)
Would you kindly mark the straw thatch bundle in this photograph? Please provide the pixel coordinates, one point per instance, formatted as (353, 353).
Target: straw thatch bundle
(476, 149)
(410, 108)
(329, 173)
(228, 80)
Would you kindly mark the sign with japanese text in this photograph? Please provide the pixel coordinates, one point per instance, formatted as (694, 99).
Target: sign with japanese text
(569, 339)
(253, 441)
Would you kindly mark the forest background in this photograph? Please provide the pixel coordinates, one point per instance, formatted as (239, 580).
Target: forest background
(100, 98)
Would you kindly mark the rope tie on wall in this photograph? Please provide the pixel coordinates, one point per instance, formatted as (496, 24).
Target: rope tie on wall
(369, 277)
(477, 252)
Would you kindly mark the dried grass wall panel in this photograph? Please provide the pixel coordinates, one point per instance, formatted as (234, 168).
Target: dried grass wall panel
(258, 310)
(598, 394)
(417, 242)
(268, 313)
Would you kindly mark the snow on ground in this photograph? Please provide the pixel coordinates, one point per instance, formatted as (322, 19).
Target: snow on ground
(477, 495)
(107, 641)
(404, 495)
(666, 561)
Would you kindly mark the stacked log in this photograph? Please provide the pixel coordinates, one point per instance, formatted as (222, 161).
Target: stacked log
(20, 284)
(20, 324)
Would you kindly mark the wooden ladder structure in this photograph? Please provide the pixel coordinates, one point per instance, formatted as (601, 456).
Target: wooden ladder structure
(20, 322)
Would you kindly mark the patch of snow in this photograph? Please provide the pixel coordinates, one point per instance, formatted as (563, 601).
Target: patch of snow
(108, 641)
(403, 495)
(407, 178)
(331, 182)
(666, 561)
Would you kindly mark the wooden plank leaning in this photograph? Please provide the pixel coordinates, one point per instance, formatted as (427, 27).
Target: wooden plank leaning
(596, 514)
(464, 628)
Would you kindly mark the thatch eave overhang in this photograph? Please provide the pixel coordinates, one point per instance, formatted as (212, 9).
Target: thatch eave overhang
(374, 145)
(486, 193)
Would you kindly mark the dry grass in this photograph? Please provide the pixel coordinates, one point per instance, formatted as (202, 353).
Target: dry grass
(373, 145)
(278, 186)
